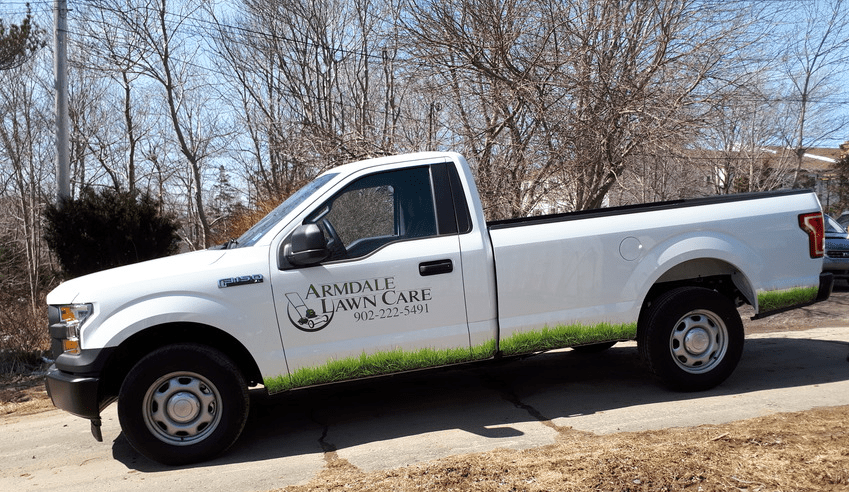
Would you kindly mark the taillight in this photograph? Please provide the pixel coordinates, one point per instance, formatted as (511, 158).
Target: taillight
(813, 225)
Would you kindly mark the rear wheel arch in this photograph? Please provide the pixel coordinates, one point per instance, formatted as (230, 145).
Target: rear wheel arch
(714, 272)
(710, 273)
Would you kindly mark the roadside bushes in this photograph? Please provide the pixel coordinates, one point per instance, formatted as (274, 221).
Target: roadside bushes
(23, 326)
(99, 230)
(23, 336)
(106, 229)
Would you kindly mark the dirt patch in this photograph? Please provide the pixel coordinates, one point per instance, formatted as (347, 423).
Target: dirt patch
(804, 451)
(23, 394)
(22, 389)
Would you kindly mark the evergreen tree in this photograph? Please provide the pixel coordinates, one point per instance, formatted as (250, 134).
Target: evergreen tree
(18, 42)
(107, 229)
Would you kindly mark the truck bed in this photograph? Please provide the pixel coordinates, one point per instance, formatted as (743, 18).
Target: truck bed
(640, 207)
(561, 269)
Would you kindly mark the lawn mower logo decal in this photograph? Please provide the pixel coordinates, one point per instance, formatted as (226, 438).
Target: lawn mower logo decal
(325, 299)
(363, 300)
(303, 317)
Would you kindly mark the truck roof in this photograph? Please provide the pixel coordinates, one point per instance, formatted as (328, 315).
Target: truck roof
(352, 167)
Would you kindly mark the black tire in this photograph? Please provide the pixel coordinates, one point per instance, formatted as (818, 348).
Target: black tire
(691, 338)
(593, 348)
(183, 404)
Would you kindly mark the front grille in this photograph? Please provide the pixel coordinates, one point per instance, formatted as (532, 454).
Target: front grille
(837, 254)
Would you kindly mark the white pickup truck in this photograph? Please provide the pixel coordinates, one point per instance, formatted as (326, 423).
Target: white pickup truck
(388, 265)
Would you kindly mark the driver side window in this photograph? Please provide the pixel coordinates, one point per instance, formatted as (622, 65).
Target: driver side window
(364, 213)
(377, 210)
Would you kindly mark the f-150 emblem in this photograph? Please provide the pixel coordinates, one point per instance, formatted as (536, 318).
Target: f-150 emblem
(244, 280)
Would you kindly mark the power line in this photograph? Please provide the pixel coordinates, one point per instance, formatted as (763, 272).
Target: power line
(748, 98)
(197, 29)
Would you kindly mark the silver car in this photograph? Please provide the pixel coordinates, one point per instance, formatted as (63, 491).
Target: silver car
(836, 250)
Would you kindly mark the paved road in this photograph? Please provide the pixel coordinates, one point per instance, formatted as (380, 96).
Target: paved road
(391, 422)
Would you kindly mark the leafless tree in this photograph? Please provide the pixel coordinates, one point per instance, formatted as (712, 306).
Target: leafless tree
(739, 145)
(567, 91)
(495, 62)
(106, 53)
(162, 51)
(814, 65)
(316, 84)
(25, 117)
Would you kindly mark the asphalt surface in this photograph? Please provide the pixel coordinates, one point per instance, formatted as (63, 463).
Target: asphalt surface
(394, 421)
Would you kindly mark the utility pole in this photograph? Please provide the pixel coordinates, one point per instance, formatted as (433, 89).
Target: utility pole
(60, 73)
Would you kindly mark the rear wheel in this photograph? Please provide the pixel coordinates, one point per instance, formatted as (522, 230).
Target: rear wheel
(183, 404)
(692, 338)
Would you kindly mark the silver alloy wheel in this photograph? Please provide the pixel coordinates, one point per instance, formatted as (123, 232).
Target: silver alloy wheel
(699, 341)
(182, 408)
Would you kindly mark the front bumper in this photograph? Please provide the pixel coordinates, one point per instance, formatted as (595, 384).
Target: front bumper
(75, 384)
(74, 394)
(839, 267)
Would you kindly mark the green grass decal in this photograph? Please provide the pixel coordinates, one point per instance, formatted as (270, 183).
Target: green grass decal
(566, 336)
(780, 299)
(399, 360)
(376, 364)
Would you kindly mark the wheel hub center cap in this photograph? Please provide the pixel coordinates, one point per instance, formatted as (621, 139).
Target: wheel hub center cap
(183, 407)
(697, 341)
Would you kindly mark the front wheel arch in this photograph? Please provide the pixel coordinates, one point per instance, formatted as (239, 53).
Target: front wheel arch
(133, 349)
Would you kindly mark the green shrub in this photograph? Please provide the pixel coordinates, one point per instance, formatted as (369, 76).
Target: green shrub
(106, 229)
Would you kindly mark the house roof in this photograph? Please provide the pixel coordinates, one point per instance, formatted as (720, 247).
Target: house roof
(819, 159)
(832, 154)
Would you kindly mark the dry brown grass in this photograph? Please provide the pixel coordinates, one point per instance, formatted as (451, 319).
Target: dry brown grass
(23, 394)
(803, 451)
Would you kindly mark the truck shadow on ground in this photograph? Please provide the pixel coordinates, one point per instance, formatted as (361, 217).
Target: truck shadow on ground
(485, 399)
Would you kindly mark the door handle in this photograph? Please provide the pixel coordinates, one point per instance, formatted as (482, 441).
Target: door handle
(437, 267)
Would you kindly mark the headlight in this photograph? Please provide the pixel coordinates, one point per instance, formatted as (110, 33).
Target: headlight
(71, 317)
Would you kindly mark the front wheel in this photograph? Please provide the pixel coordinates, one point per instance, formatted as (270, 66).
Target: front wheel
(692, 338)
(183, 404)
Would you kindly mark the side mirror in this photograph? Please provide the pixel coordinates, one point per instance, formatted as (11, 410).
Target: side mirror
(306, 246)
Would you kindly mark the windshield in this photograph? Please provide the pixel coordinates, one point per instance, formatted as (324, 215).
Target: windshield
(259, 229)
(832, 226)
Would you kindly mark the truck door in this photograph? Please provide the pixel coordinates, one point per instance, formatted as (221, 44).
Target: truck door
(391, 287)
